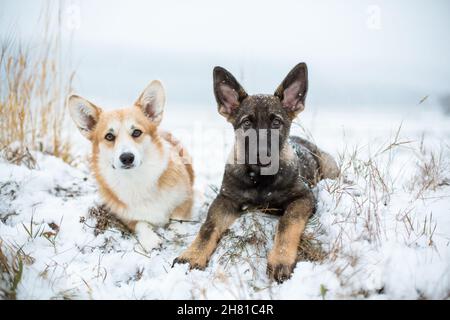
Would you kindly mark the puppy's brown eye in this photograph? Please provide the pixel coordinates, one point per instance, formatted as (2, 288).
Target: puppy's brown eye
(136, 133)
(110, 137)
(247, 123)
(276, 123)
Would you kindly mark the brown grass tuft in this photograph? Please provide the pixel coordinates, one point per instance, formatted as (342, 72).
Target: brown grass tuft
(105, 220)
(12, 261)
(432, 171)
(18, 156)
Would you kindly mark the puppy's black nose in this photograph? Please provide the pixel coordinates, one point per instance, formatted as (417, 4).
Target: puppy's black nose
(127, 158)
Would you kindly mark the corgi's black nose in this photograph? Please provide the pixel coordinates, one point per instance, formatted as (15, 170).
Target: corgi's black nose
(127, 158)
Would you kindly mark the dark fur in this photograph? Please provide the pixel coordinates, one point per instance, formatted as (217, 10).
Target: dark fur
(288, 191)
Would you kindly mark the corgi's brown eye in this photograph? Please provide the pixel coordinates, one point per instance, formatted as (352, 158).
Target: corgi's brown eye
(136, 133)
(110, 137)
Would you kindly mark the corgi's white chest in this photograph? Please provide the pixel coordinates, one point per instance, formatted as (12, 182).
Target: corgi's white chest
(138, 189)
(151, 204)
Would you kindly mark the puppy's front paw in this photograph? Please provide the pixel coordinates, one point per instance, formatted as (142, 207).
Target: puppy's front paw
(195, 261)
(148, 239)
(280, 272)
(279, 268)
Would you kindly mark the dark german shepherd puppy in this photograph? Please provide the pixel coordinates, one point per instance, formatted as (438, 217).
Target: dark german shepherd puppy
(279, 176)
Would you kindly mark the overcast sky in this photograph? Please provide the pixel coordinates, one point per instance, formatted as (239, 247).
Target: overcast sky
(358, 51)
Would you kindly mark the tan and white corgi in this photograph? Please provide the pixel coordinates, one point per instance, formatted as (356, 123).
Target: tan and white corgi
(144, 175)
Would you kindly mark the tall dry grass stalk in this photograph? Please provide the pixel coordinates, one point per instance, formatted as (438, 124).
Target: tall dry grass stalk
(33, 87)
(12, 261)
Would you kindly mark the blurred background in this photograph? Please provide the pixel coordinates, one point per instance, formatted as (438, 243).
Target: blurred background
(375, 67)
(383, 54)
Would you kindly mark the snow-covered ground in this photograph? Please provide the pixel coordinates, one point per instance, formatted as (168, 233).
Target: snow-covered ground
(381, 231)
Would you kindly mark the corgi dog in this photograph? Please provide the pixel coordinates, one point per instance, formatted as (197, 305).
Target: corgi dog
(144, 175)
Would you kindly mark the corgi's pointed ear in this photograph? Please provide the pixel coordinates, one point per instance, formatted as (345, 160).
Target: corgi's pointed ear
(228, 92)
(292, 91)
(84, 113)
(152, 101)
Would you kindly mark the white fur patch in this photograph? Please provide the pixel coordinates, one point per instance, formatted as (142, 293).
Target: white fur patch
(148, 238)
(138, 187)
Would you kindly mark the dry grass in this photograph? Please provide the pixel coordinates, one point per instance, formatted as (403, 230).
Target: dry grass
(252, 244)
(19, 156)
(432, 171)
(12, 261)
(33, 90)
(367, 179)
(310, 247)
(370, 185)
(104, 220)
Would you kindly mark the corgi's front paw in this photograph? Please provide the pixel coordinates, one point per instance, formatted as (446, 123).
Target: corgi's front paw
(148, 238)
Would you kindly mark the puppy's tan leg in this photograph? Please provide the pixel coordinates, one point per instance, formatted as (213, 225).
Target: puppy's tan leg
(183, 211)
(282, 258)
(222, 213)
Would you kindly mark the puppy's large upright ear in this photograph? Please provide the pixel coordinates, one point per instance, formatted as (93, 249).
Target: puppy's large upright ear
(292, 91)
(84, 113)
(152, 101)
(228, 92)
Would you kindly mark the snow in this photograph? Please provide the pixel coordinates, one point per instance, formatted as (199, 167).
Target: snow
(383, 238)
